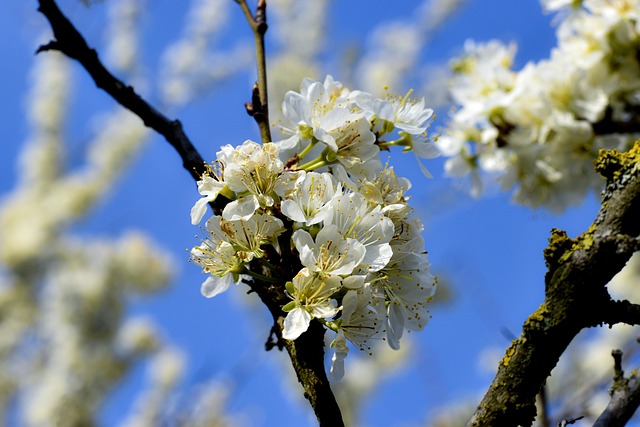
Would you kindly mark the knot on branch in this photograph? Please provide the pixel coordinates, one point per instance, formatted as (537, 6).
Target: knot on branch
(619, 381)
(559, 245)
(261, 17)
(255, 108)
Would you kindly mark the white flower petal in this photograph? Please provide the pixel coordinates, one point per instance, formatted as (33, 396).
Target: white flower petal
(377, 256)
(216, 285)
(241, 209)
(340, 353)
(292, 210)
(198, 210)
(296, 322)
(395, 326)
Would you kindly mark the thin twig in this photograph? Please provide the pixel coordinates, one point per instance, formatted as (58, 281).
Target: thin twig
(259, 106)
(625, 397)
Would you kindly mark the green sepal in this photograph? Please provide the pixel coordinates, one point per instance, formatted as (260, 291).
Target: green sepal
(289, 306)
(290, 288)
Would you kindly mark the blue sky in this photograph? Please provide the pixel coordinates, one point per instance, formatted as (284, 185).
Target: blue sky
(488, 251)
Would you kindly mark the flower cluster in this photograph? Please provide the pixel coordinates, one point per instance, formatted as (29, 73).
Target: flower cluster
(360, 266)
(539, 129)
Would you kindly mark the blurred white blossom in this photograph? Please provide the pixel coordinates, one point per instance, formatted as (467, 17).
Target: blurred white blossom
(191, 66)
(539, 129)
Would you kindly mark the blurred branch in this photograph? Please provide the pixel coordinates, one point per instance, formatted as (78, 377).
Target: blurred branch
(608, 125)
(575, 296)
(622, 312)
(625, 397)
(258, 108)
(543, 413)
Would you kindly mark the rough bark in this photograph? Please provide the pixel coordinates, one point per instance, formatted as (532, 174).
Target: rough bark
(576, 296)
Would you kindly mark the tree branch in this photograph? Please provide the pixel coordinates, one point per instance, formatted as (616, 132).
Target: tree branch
(306, 353)
(70, 42)
(621, 312)
(575, 296)
(625, 397)
(608, 125)
(258, 108)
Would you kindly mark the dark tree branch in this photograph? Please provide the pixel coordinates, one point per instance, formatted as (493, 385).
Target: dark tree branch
(608, 125)
(625, 397)
(70, 42)
(575, 296)
(621, 312)
(307, 352)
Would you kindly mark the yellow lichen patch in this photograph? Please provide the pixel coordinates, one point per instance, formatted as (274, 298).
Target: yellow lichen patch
(510, 352)
(538, 316)
(559, 245)
(611, 163)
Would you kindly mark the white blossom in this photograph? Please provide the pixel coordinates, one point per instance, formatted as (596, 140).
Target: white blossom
(354, 218)
(330, 253)
(312, 298)
(209, 187)
(312, 191)
(331, 208)
(536, 130)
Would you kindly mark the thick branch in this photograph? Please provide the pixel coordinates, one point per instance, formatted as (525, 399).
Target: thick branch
(576, 296)
(307, 356)
(625, 398)
(70, 42)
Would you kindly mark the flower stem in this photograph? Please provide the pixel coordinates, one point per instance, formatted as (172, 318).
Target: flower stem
(307, 149)
(403, 141)
(314, 164)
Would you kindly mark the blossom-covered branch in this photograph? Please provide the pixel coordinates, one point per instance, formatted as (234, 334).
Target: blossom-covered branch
(314, 224)
(576, 296)
(321, 230)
